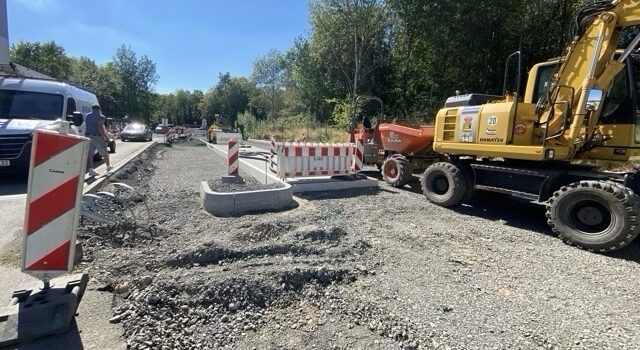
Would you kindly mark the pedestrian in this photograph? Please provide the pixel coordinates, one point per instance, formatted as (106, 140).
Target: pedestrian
(97, 133)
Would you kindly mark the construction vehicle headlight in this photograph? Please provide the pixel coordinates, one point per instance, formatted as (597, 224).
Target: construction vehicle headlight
(549, 154)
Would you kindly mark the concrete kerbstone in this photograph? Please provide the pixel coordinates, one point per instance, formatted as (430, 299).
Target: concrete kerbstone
(238, 203)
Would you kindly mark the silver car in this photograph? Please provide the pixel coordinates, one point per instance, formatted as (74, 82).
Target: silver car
(138, 132)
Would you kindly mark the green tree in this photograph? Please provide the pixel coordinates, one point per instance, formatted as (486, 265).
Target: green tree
(229, 97)
(440, 47)
(47, 58)
(108, 90)
(165, 106)
(104, 81)
(126, 62)
(196, 99)
(306, 80)
(138, 78)
(147, 79)
(84, 71)
(269, 75)
(352, 37)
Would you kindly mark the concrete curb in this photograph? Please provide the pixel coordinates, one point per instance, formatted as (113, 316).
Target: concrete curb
(239, 203)
(94, 186)
(341, 183)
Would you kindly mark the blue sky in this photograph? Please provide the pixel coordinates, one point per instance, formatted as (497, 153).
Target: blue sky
(191, 41)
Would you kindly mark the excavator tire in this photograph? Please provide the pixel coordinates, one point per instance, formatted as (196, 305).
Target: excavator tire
(397, 170)
(445, 184)
(599, 216)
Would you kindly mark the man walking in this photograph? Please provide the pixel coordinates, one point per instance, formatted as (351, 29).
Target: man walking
(97, 133)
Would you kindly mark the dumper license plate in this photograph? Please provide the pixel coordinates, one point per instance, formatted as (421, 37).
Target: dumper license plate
(5, 162)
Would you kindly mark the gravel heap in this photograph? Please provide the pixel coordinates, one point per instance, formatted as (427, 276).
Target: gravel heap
(366, 269)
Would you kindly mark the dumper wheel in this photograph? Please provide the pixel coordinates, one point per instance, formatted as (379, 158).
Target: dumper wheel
(594, 215)
(445, 184)
(397, 171)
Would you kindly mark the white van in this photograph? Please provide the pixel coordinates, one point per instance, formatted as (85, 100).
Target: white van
(27, 104)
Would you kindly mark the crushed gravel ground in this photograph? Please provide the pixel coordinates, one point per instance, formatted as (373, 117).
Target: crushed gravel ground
(248, 184)
(366, 269)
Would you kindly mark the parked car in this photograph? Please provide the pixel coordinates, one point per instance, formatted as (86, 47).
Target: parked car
(160, 129)
(139, 132)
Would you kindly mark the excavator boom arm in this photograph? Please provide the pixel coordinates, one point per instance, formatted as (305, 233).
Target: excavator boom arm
(628, 12)
(588, 63)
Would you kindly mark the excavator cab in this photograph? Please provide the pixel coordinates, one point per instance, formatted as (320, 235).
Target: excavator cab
(617, 135)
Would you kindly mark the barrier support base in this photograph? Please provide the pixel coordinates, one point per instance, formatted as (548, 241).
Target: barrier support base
(232, 179)
(37, 313)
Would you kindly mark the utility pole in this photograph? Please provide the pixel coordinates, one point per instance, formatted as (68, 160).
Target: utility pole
(4, 34)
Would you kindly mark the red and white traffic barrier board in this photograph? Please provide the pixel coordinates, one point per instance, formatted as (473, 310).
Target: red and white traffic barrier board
(314, 159)
(56, 178)
(358, 158)
(233, 157)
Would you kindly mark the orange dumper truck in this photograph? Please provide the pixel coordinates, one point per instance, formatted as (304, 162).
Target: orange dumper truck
(397, 149)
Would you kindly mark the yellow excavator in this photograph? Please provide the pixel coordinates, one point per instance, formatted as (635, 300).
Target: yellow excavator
(583, 105)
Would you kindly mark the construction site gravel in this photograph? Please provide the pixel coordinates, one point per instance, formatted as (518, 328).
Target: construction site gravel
(365, 269)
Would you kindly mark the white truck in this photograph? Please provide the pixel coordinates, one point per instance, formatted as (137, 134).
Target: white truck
(27, 104)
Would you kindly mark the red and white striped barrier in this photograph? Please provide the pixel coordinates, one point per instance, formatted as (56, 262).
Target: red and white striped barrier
(274, 152)
(358, 158)
(274, 144)
(233, 157)
(169, 135)
(56, 177)
(314, 159)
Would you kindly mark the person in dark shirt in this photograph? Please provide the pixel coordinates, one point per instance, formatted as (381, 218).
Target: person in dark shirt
(97, 133)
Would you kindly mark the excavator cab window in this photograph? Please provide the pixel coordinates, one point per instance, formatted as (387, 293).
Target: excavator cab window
(619, 104)
(543, 79)
(617, 95)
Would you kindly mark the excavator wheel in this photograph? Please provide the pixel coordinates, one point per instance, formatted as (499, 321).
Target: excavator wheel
(445, 184)
(595, 215)
(397, 171)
